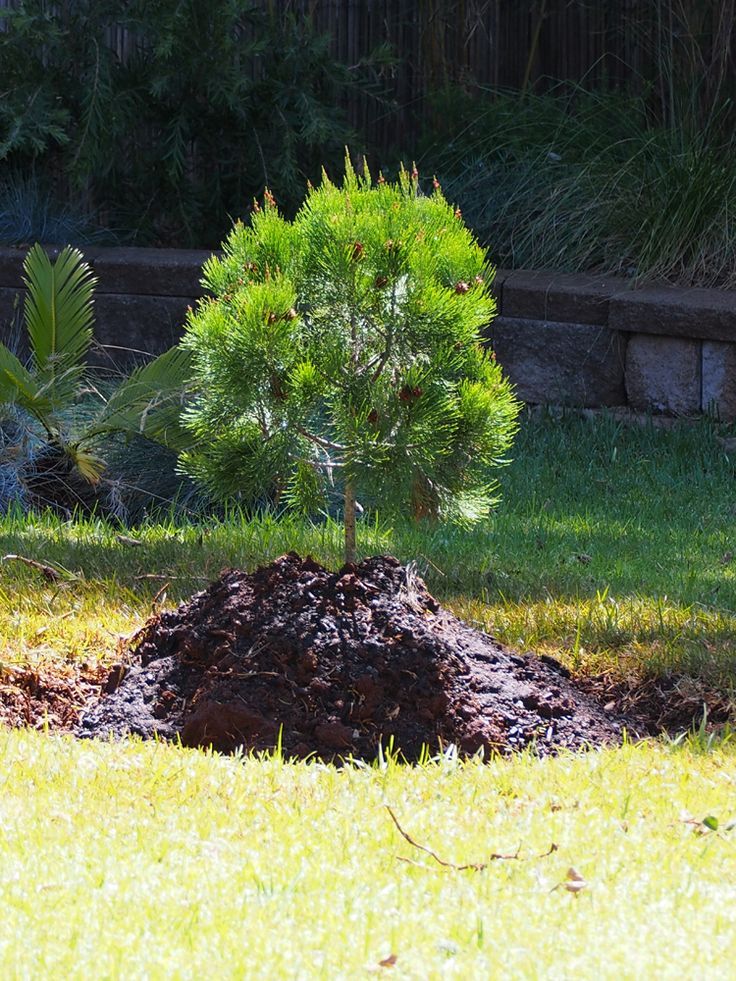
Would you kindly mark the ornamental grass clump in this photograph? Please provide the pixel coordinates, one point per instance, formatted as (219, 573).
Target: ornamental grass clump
(341, 353)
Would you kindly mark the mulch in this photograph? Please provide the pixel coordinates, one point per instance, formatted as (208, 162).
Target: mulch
(336, 664)
(43, 698)
(346, 664)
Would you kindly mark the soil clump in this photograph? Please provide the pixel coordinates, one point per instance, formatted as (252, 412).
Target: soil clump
(46, 699)
(335, 664)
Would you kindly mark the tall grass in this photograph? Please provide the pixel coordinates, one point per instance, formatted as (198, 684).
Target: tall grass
(31, 212)
(591, 181)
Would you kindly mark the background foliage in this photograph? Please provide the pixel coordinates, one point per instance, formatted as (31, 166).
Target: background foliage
(557, 123)
(174, 124)
(576, 180)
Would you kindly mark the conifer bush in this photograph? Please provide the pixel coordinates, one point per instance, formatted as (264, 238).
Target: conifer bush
(341, 353)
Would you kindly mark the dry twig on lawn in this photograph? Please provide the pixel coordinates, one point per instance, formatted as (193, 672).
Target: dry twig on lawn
(49, 572)
(474, 866)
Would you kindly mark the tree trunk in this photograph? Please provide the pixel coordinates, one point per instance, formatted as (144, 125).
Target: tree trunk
(349, 522)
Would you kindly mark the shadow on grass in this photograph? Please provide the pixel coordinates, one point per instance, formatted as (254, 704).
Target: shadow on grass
(614, 546)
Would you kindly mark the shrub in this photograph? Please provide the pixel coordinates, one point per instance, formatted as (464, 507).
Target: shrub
(52, 418)
(343, 349)
(31, 212)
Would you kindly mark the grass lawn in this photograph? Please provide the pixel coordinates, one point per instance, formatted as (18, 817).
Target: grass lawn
(613, 550)
(124, 861)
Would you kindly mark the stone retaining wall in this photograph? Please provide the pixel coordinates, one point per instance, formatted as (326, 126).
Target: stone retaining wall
(579, 340)
(593, 341)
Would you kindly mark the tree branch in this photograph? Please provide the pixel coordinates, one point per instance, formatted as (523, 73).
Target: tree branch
(325, 444)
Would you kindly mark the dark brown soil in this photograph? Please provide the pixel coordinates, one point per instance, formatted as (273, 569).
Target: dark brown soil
(666, 703)
(46, 699)
(334, 665)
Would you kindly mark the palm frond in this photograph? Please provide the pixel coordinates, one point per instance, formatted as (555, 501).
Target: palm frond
(149, 402)
(19, 387)
(59, 316)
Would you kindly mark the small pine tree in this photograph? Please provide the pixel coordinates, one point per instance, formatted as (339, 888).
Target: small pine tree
(344, 348)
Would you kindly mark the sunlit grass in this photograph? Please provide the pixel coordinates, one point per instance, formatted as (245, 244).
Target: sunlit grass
(638, 634)
(145, 860)
(614, 548)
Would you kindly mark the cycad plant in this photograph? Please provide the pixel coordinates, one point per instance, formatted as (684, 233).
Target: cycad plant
(51, 403)
(341, 351)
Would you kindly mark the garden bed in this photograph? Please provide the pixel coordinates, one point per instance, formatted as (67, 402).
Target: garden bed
(334, 664)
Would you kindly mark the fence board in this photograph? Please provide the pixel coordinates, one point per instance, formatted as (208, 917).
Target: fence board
(498, 43)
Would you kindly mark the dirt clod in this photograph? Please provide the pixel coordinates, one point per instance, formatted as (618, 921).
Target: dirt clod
(334, 664)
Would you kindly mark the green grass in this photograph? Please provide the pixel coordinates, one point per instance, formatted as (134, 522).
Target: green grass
(614, 549)
(131, 861)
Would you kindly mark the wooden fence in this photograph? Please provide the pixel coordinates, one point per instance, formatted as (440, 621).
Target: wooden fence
(518, 44)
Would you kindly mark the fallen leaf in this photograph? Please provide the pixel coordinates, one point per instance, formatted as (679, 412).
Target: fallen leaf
(127, 540)
(575, 882)
(701, 827)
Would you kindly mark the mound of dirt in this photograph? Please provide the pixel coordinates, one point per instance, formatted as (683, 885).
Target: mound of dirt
(333, 664)
(42, 699)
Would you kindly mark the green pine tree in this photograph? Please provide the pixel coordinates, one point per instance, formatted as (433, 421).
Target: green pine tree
(343, 350)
